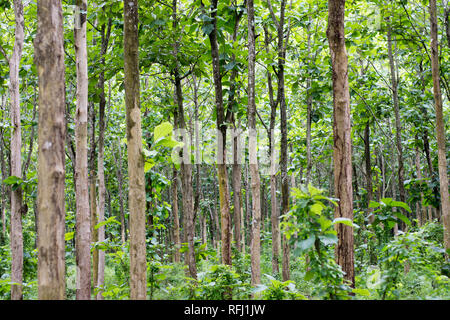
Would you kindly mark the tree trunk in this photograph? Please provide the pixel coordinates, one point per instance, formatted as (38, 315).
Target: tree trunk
(255, 249)
(49, 58)
(176, 221)
(342, 152)
(136, 196)
(16, 156)
(274, 216)
(367, 157)
(83, 223)
(224, 196)
(440, 126)
(398, 126)
(100, 159)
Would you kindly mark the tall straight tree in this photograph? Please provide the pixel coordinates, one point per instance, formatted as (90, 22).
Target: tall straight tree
(342, 152)
(49, 59)
(105, 33)
(136, 195)
(224, 196)
(440, 126)
(186, 165)
(16, 157)
(283, 39)
(83, 221)
(255, 249)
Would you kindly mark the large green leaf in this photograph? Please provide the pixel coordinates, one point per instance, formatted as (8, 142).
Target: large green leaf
(162, 130)
(304, 245)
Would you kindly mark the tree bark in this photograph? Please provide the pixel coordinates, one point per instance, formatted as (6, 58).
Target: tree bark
(255, 250)
(100, 159)
(342, 151)
(136, 196)
(49, 59)
(16, 155)
(83, 223)
(224, 196)
(440, 126)
(398, 126)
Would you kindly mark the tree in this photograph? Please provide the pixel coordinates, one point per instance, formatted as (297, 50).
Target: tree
(16, 155)
(49, 59)
(83, 234)
(342, 153)
(254, 172)
(440, 128)
(136, 195)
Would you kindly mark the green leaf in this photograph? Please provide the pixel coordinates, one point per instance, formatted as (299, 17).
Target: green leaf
(328, 239)
(361, 292)
(345, 221)
(316, 208)
(402, 217)
(304, 245)
(69, 236)
(374, 204)
(11, 180)
(108, 221)
(148, 165)
(162, 130)
(400, 205)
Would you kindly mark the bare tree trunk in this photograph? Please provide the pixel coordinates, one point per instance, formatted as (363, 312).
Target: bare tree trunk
(398, 126)
(255, 250)
(367, 157)
(100, 159)
(49, 58)
(83, 223)
(274, 216)
(224, 196)
(440, 127)
(119, 172)
(137, 201)
(93, 192)
(176, 221)
(342, 154)
(16, 156)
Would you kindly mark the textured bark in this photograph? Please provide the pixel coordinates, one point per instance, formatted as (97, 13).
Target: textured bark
(342, 152)
(136, 195)
(274, 216)
(100, 159)
(119, 172)
(176, 221)
(224, 196)
(83, 223)
(281, 99)
(398, 126)
(49, 58)
(93, 192)
(367, 159)
(16, 162)
(186, 165)
(255, 249)
(440, 126)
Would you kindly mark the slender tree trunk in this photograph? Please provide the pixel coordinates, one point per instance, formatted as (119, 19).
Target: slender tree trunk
(224, 196)
(255, 250)
(16, 156)
(100, 159)
(93, 192)
(440, 126)
(137, 201)
(176, 221)
(119, 172)
(398, 126)
(367, 157)
(274, 216)
(83, 223)
(342, 153)
(49, 58)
